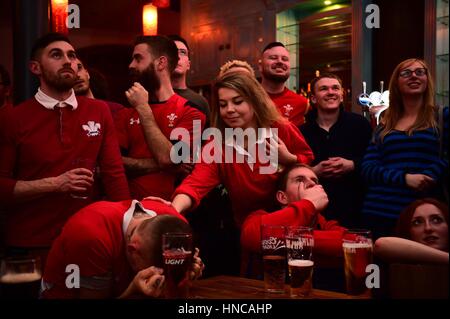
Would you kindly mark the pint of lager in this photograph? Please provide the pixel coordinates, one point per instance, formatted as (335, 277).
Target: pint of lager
(274, 257)
(20, 278)
(177, 258)
(357, 246)
(299, 246)
(300, 274)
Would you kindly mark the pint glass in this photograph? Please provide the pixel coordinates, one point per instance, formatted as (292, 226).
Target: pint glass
(357, 246)
(20, 278)
(87, 164)
(177, 257)
(299, 246)
(274, 257)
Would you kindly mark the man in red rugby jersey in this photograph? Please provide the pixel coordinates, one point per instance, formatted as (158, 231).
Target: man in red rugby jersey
(50, 146)
(144, 130)
(113, 250)
(275, 71)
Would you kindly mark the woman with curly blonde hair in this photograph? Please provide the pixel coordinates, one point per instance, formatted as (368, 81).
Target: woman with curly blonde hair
(236, 66)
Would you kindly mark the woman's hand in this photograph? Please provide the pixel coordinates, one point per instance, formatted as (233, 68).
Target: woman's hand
(419, 182)
(284, 156)
(159, 199)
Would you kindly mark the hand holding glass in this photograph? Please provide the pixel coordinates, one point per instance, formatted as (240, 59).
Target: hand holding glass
(88, 164)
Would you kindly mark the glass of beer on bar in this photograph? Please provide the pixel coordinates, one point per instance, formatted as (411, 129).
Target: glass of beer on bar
(20, 278)
(299, 246)
(357, 246)
(177, 257)
(274, 257)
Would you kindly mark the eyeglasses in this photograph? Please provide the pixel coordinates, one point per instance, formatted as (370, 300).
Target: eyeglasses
(418, 72)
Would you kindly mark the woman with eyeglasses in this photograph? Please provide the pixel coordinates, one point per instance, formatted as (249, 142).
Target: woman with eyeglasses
(402, 163)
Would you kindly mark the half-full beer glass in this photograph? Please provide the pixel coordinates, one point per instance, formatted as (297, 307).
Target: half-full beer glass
(357, 246)
(177, 256)
(274, 257)
(20, 278)
(299, 246)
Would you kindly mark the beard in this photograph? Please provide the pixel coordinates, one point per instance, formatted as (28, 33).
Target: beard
(277, 78)
(147, 78)
(59, 81)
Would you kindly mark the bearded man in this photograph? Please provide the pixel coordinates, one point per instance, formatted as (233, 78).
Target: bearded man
(50, 146)
(275, 71)
(144, 130)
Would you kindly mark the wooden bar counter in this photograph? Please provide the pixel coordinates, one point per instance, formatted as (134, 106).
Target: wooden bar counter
(229, 287)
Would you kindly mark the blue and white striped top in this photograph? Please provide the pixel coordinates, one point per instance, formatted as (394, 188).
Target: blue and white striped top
(385, 164)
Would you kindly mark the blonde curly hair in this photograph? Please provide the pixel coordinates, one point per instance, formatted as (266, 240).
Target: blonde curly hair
(243, 65)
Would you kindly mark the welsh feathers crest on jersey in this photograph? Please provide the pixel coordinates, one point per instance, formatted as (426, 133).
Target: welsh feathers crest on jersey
(287, 110)
(172, 117)
(92, 128)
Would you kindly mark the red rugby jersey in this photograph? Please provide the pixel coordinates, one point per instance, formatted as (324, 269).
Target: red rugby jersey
(36, 143)
(249, 190)
(292, 106)
(173, 113)
(93, 240)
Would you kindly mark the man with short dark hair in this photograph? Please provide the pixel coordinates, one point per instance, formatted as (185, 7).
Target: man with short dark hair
(339, 140)
(83, 88)
(117, 248)
(275, 71)
(144, 130)
(42, 143)
(179, 75)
